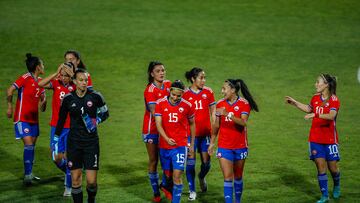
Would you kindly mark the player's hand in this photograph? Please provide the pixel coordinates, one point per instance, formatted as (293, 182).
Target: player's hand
(55, 144)
(191, 152)
(211, 149)
(90, 123)
(290, 100)
(43, 106)
(68, 69)
(171, 141)
(309, 116)
(221, 111)
(9, 112)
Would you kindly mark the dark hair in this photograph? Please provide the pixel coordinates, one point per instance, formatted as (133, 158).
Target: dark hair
(239, 84)
(32, 62)
(71, 65)
(151, 67)
(193, 73)
(178, 84)
(331, 80)
(79, 71)
(77, 56)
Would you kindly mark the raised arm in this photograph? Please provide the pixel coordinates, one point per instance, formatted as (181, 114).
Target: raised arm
(45, 83)
(303, 107)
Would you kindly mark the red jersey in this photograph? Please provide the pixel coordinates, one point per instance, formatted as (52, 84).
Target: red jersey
(27, 104)
(202, 102)
(89, 85)
(151, 95)
(324, 131)
(232, 135)
(60, 90)
(174, 121)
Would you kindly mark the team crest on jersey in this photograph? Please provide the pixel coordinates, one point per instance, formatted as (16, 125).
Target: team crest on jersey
(70, 88)
(70, 164)
(26, 130)
(314, 152)
(204, 96)
(89, 103)
(181, 109)
(218, 155)
(236, 108)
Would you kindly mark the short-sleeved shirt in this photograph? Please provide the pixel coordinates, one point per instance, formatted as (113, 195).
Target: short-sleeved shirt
(202, 101)
(151, 95)
(27, 104)
(232, 135)
(60, 90)
(174, 121)
(324, 131)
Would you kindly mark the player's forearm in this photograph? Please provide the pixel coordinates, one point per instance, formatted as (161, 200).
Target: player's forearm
(303, 107)
(238, 121)
(9, 95)
(46, 81)
(193, 133)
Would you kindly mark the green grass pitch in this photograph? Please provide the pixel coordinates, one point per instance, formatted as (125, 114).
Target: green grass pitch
(278, 47)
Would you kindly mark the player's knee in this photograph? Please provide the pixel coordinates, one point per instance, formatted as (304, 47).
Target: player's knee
(92, 187)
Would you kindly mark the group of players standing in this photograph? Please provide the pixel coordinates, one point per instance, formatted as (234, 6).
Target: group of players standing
(179, 121)
(76, 111)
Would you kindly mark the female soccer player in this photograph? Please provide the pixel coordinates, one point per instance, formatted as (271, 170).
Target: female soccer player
(232, 113)
(75, 58)
(157, 88)
(173, 115)
(26, 117)
(323, 138)
(87, 109)
(202, 98)
(61, 84)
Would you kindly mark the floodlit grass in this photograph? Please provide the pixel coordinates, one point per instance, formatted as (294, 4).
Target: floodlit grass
(277, 47)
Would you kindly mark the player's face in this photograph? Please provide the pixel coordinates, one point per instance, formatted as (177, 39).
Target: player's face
(158, 73)
(71, 58)
(320, 85)
(81, 81)
(175, 95)
(227, 91)
(200, 80)
(64, 77)
(41, 68)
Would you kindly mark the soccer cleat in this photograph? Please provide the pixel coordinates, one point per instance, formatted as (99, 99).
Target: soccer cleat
(336, 192)
(167, 192)
(67, 192)
(27, 180)
(323, 199)
(203, 184)
(34, 178)
(156, 199)
(192, 196)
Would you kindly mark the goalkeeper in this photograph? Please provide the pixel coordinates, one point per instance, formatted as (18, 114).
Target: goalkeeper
(87, 109)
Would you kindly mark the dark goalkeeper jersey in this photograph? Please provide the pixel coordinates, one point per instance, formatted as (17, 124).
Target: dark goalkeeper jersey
(92, 104)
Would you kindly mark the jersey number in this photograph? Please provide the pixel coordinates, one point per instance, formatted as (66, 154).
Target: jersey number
(173, 117)
(62, 94)
(180, 158)
(228, 117)
(82, 110)
(319, 110)
(198, 105)
(37, 92)
(333, 150)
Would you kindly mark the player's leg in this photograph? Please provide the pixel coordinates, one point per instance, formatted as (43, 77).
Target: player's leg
(68, 182)
(318, 155)
(91, 160)
(333, 156)
(190, 171)
(178, 156)
(91, 185)
(153, 154)
(57, 158)
(76, 191)
(205, 163)
(167, 183)
(239, 164)
(226, 158)
(75, 163)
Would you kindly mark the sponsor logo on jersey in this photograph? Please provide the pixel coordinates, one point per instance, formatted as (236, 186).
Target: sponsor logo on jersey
(165, 109)
(190, 98)
(26, 130)
(236, 108)
(89, 103)
(181, 109)
(204, 96)
(73, 105)
(33, 85)
(58, 88)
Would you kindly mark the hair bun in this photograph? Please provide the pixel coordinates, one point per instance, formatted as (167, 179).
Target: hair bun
(28, 55)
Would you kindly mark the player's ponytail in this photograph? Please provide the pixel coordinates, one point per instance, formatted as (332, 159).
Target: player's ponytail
(192, 74)
(239, 84)
(151, 67)
(31, 62)
(177, 84)
(331, 81)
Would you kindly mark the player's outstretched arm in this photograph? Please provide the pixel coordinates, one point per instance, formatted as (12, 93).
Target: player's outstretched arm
(303, 107)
